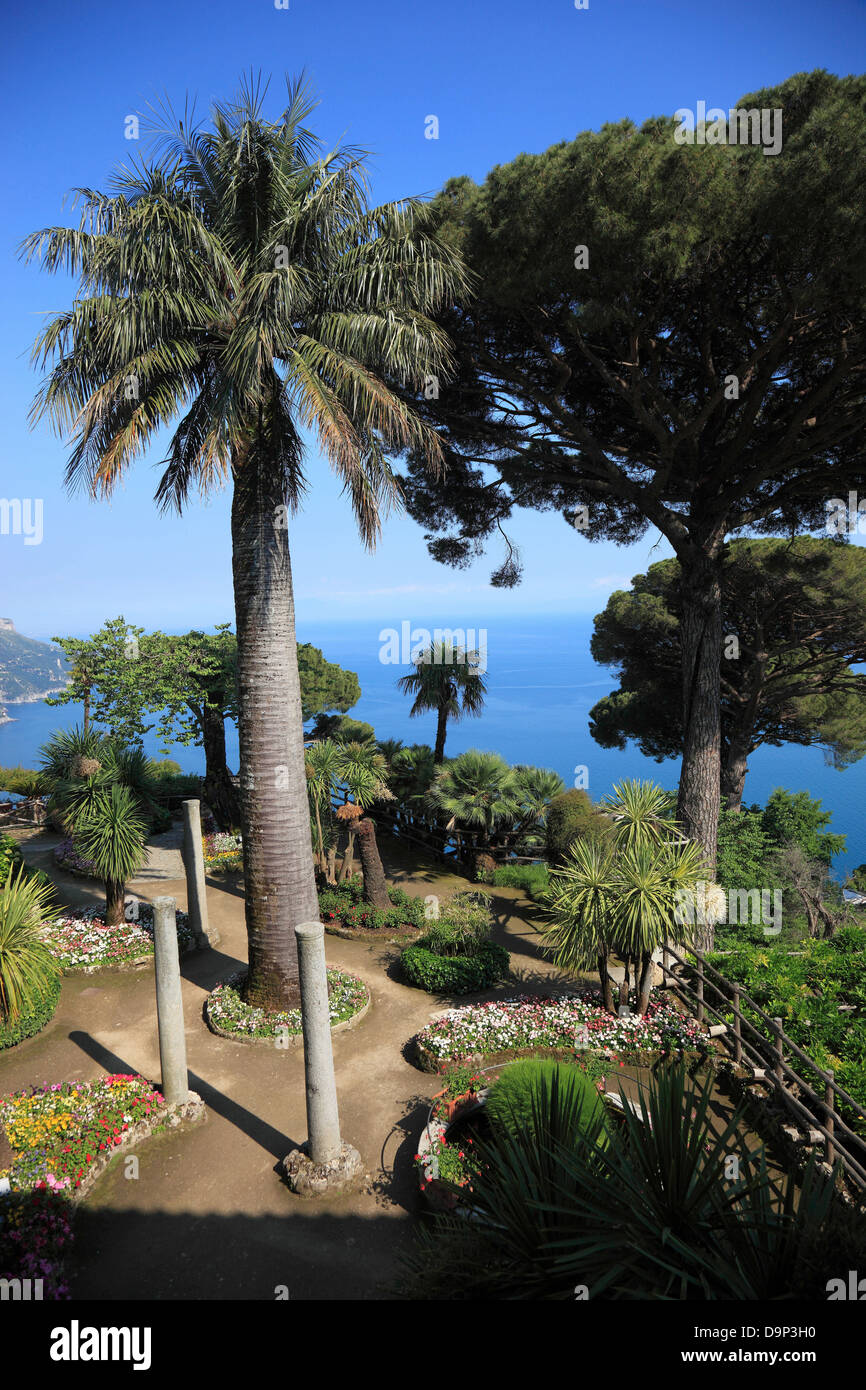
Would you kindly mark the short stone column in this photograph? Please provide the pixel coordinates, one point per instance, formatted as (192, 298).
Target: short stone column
(169, 1004)
(193, 862)
(324, 1163)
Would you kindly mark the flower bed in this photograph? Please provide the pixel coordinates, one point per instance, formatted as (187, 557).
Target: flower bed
(567, 1023)
(58, 1132)
(83, 943)
(344, 913)
(228, 1014)
(66, 857)
(223, 853)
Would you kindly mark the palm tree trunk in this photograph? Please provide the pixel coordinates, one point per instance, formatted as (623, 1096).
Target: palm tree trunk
(441, 729)
(275, 817)
(375, 886)
(645, 985)
(115, 893)
(606, 984)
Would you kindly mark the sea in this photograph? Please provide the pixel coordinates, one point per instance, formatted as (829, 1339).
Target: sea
(541, 684)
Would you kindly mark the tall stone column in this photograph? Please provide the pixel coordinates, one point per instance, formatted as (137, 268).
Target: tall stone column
(196, 889)
(169, 1004)
(325, 1162)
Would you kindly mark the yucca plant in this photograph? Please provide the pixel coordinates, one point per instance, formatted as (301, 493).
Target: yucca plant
(238, 282)
(27, 967)
(112, 835)
(671, 1206)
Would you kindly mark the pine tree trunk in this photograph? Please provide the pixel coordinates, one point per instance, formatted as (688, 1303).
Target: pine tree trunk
(279, 876)
(219, 789)
(733, 774)
(375, 886)
(700, 776)
(115, 893)
(441, 730)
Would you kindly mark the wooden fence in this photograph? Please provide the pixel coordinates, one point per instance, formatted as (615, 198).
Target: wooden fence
(766, 1056)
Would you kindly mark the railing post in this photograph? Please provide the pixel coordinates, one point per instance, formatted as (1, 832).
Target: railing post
(700, 990)
(738, 1035)
(665, 959)
(777, 1028)
(829, 1105)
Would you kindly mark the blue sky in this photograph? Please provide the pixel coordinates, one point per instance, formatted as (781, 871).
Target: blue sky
(501, 77)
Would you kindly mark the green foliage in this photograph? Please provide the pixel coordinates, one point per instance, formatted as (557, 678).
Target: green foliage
(438, 974)
(27, 967)
(534, 879)
(447, 681)
(343, 905)
(111, 834)
(781, 688)
(462, 926)
(570, 816)
(805, 989)
(746, 849)
(513, 1102)
(23, 781)
(796, 817)
(650, 1214)
(10, 856)
(477, 791)
(40, 1011)
(857, 879)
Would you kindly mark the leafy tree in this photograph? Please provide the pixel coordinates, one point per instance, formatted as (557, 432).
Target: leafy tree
(662, 335)
(797, 818)
(794, 624)
(445, 679)
(857, 879)
(190, 681)
(238, 278)
(569, 816)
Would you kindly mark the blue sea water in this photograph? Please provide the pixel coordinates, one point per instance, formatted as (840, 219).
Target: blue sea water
(542, 683)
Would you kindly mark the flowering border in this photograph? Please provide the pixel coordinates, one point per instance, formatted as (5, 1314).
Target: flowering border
(121, 941)
(224, 1006)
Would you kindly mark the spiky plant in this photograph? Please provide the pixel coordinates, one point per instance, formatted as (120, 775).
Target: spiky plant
(112, 835)
(27, 967)
(240, 281)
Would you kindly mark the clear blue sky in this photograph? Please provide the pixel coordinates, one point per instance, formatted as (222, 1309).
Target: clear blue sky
(501, 76)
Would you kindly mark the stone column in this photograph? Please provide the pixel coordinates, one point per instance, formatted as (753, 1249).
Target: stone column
(324, 1163)
(193, 860)
(169, 1004)
(323, 1122)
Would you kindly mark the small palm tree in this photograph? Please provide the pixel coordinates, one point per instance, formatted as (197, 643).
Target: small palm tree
(445, 679)
(27, 967)
(621, 894)
(477, 791)
(410, 777)
(240, 280)
(112, 835)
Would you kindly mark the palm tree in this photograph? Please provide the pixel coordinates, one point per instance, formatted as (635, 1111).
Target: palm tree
(445, 679)
(241, 280)
(479, 792)
(28, 970)
(620, 894)
(111, 834)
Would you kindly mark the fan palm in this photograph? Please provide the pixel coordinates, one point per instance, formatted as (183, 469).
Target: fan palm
(477, 791)
(241, 280)
(445, 679)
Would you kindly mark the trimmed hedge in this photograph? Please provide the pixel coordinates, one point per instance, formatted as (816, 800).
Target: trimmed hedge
(28, 1024)
(455, 974)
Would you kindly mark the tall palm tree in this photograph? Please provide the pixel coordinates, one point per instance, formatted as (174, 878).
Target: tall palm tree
(240, 280)
(445, 679)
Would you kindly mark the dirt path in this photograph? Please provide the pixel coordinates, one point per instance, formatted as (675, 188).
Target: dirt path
(208, 1216)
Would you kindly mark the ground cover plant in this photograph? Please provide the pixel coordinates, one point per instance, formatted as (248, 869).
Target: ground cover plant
(573, 1023)
(228, 1010)
(819, 992)
(455, 955)
(343, 906)
(83, 940)
(534, 879)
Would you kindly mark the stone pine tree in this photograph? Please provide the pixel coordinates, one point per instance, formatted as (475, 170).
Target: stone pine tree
(794, 626)
(238, 283)
(662, 335)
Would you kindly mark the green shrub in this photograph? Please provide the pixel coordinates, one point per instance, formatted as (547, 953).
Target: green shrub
(467, 974)
(534, 879)
(23, 781)
(568, 816)
(462, 926)
(27, 967)
(513, 1102)
(160, 819)
(343, 905)
(10, 856)
(34, 1020)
